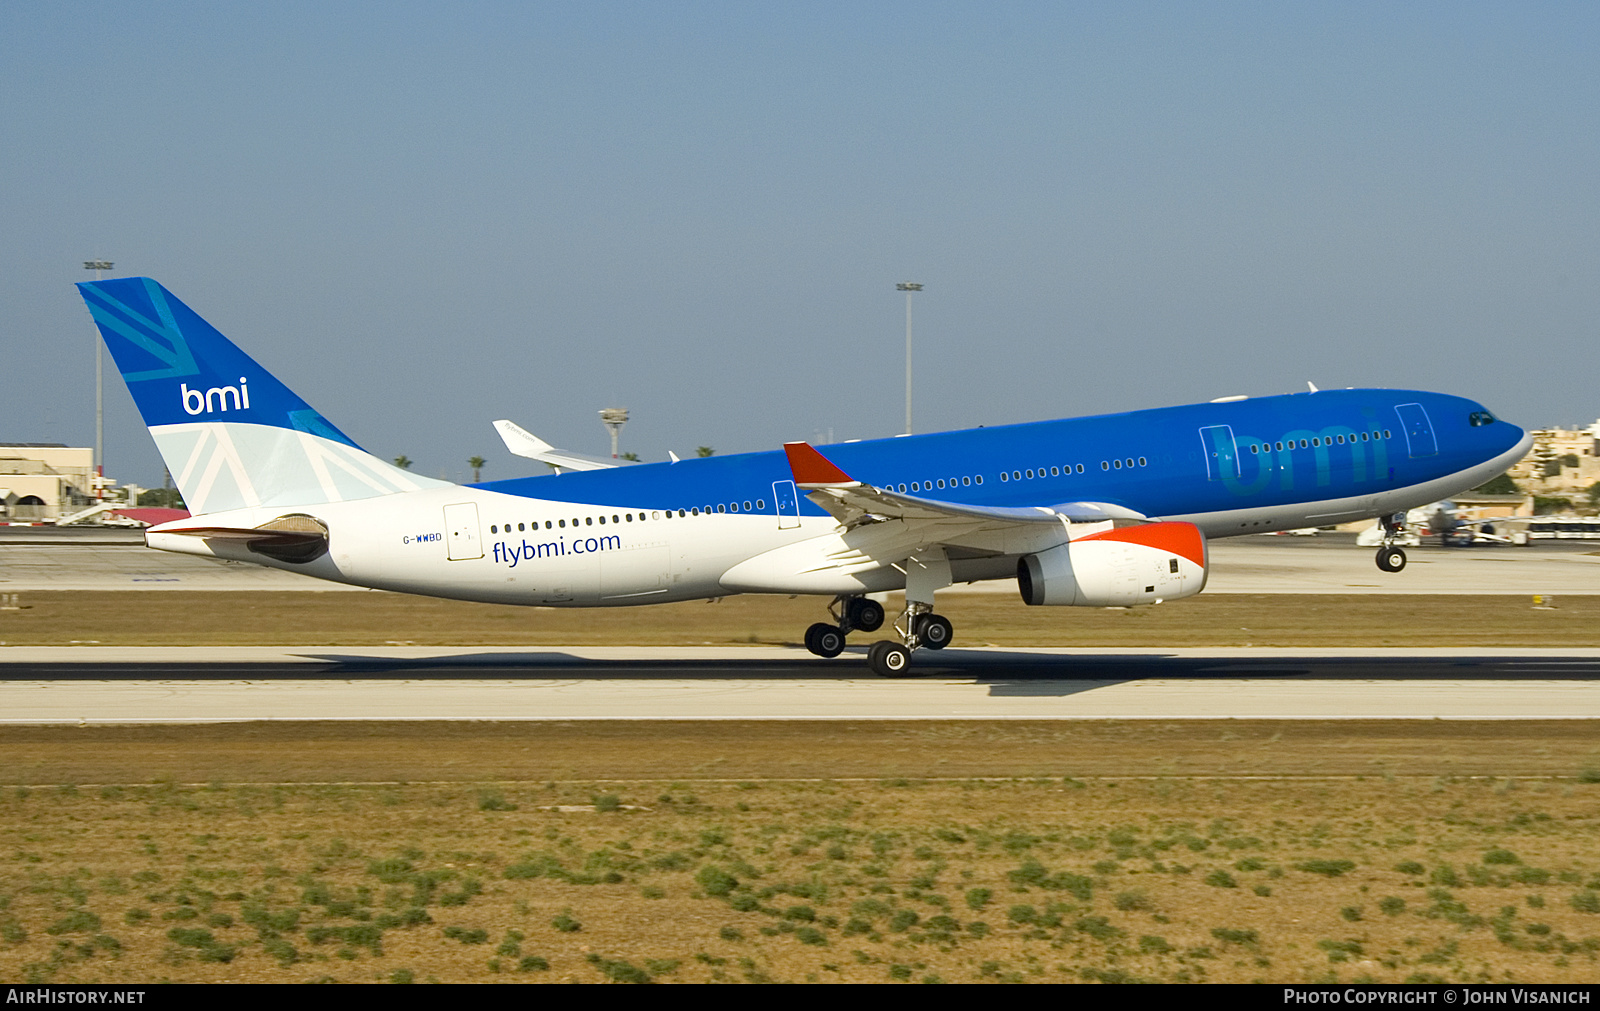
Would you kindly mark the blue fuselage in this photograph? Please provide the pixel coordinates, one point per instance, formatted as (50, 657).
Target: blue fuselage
(1234, 467)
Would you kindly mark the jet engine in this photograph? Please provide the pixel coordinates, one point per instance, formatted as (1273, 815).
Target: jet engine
(1117, 568)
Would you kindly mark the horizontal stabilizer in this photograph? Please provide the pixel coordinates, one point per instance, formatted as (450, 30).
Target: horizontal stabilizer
(524, 443)
(294, 538)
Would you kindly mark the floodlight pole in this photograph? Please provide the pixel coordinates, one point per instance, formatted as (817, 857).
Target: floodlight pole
(99, 392)
(908, 287)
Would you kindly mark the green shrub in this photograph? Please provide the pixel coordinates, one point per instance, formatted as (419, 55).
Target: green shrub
(79, 921)
(1392, 905)
(977, 898)
(1220, 878)
(618, 971)
(1498, 856)
(1585, 902)
(1128, 902)
(1230, 935)
(566, 923)
(1410, 867)
(716, 881)
(1327, 868)
(607, 802)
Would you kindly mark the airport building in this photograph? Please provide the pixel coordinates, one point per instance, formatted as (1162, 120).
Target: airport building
(1564, 462)
(43, 481)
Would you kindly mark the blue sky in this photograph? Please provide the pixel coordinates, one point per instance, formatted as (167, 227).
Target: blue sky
(424, 217)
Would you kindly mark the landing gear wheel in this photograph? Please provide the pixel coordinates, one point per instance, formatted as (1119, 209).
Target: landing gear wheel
(934, 630)
(889, 659)
(1391, 559)
(865, 614)
(825, 640)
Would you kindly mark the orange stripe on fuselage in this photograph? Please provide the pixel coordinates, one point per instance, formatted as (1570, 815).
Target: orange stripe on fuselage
(1175, 538)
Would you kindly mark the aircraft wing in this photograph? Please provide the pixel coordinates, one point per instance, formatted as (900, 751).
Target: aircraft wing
(522, 442)
(852, 502)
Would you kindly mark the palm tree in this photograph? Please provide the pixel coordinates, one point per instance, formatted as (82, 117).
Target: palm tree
(403, 462)
(476, 463)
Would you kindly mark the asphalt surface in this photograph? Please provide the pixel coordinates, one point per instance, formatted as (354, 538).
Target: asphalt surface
(87, 685)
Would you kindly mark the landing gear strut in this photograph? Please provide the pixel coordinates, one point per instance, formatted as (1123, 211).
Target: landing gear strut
(1390, 557)
(919, 628)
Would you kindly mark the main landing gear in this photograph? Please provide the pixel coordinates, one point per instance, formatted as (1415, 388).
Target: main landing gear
(918, 627)
(849, 615)
(1390, 557)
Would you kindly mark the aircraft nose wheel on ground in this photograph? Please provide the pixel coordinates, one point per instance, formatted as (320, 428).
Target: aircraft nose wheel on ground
(1391, 559)
(825, 640)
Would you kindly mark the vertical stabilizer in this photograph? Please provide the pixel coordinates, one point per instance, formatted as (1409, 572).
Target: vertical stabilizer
(232, 435)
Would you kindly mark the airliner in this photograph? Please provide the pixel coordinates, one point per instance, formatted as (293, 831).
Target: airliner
(1107, 511)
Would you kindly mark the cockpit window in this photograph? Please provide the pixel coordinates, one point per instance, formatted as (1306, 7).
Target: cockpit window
(1480, 418)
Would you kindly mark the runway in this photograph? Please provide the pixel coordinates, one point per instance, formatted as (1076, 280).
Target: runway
(89, 685)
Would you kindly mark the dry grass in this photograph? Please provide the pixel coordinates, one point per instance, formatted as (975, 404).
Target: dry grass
(354, 619)
(1019, 880)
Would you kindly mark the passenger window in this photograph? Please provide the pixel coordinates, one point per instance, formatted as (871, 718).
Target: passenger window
(966, 481)
(978, 479)
(1141, 461)
(1028, 474)
(721, 509)
(760, 504)
(1016, 475)
(1117, 464)
(1004, 476)
(588, 521)
(733, 507)
(493, 529)
(602, 521)
(1080, 468)
(1055, 471)
(1104, 465)
(563, 524)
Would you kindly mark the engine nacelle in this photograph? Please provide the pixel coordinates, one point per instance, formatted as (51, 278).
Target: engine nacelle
(1117, 568)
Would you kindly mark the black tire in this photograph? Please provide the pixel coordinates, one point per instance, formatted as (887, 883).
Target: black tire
(889, 659)
(934, 631)
(825, 640)
(867, 615)
(1391, 559)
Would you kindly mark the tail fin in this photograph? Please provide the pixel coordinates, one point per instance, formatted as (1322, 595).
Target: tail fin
(232, 435)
